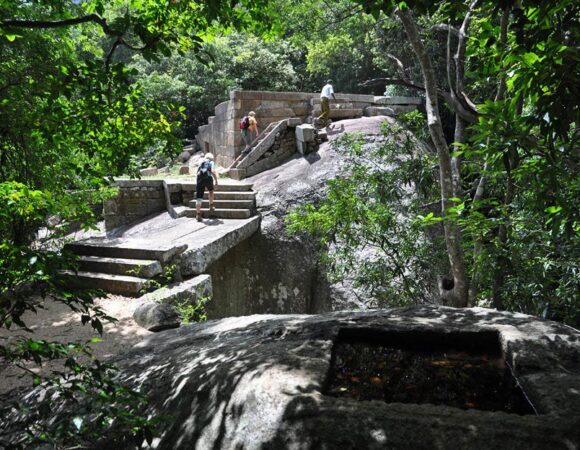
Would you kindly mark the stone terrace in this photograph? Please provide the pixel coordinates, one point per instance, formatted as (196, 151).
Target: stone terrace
(222, 135)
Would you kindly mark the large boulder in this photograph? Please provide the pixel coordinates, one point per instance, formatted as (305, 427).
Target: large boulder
(273, 272)
(184, 157)
(262, 382)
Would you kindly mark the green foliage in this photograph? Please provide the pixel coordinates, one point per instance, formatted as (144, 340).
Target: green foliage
(234, 61)
(192, 313)
(367, 221)
(71, 119)
(86, 397)
(340, 42)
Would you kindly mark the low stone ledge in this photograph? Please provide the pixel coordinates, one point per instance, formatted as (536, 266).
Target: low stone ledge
(155, 311)
(293, 122)
(149, 171)
(372, 111)
(398, 100)
(188, 291)
(138, 183)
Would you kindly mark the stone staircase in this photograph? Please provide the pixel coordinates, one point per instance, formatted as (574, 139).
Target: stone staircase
(264, 154)
(127, 265)
(232, 201)
(119, 267)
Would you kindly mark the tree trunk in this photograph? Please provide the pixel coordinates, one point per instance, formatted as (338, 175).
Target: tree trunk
(459, 59)
(478, 244)
(458, 287)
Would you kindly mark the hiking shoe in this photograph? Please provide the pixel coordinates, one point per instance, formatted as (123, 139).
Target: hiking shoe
(198, 217)
(212, 207)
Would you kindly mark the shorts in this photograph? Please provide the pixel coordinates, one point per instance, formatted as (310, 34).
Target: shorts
(202, 183)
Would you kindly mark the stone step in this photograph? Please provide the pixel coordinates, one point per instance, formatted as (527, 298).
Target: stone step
(219, 213)
(144, 268)
(115, 284)
(231, 187)
(127, 249)
(340, 113)
(232, 195)
(221, 187)
(226, 204)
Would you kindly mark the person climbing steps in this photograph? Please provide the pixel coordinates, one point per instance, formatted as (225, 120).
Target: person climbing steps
(327, 92)
(206, 175)
(249, 130)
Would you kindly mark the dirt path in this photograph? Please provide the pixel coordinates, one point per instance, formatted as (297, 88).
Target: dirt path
(56, 322)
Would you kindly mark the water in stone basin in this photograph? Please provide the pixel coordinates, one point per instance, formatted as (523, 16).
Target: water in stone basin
(424, 370)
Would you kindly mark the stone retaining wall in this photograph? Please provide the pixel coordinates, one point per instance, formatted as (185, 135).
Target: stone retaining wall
(136, 199)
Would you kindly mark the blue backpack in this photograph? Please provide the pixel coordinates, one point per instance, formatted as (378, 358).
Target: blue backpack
(204, 169)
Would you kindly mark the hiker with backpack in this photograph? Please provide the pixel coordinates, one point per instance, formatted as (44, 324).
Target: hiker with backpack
(206, 175)
(249, 129)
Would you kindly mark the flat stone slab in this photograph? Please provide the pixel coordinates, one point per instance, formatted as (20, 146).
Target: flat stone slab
(341, 113)
(116, 284)
(372, 111)
(259, 382)
(213, 241)
(132, 248)
(121, 266)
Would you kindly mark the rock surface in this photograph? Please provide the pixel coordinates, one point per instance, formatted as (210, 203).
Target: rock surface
(272, 272)
(149, 171)
(156, 316)
(258, 382)
(184, 157)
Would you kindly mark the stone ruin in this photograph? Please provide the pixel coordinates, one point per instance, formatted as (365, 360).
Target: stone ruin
(271, 382)
(222, 136)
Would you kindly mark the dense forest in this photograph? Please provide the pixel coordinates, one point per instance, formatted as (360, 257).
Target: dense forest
(94, 89)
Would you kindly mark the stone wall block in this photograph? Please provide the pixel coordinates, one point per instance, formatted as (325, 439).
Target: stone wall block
(110, 207)
(398, 100)
(305, 133)
(371, 111)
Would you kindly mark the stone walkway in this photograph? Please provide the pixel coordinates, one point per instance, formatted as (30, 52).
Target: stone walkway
(117, 261)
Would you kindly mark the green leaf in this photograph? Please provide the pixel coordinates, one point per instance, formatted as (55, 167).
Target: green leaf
(530, 58)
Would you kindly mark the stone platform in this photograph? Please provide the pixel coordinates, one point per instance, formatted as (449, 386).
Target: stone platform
(121, 264)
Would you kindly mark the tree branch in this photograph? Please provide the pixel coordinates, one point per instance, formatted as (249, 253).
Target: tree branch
(45, 24)
(399, 64)
(445, 27)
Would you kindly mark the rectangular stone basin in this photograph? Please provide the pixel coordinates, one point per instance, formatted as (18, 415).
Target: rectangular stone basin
(464, 370)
